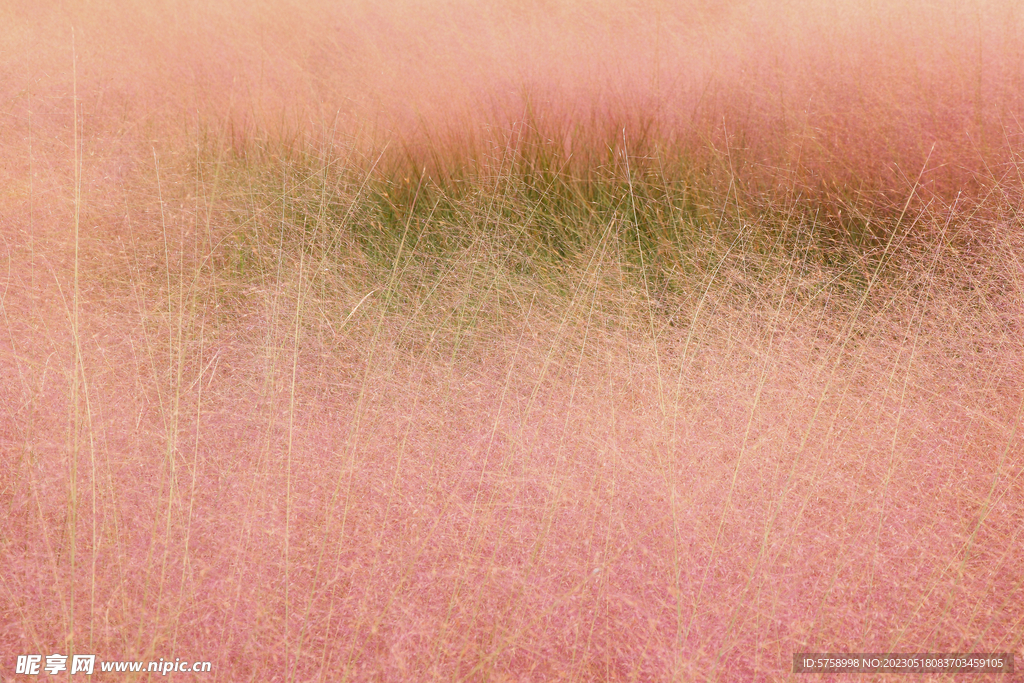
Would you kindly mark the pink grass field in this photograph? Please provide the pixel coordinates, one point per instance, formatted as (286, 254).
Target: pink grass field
(230, 436)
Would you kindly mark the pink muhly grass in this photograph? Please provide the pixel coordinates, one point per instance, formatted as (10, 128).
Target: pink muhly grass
(443, 343)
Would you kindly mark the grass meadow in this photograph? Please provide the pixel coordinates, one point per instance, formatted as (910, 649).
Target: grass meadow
(545, 340)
